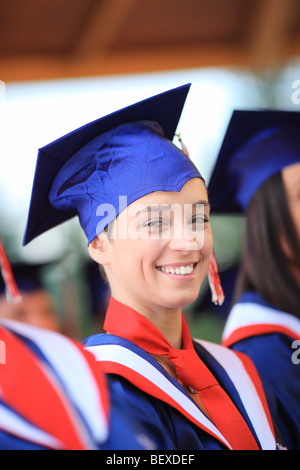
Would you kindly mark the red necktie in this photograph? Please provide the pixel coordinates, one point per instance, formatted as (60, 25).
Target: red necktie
(123, 321)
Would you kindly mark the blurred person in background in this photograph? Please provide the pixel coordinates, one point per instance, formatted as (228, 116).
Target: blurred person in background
(98, 292)
(37, 306)
(257, 173)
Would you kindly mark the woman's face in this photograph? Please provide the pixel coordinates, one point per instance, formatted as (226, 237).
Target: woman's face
(291, 181)
(160, 248)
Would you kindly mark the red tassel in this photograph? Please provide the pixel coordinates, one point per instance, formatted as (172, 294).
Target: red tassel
(183, 146)
(215, 282)
(12, 291)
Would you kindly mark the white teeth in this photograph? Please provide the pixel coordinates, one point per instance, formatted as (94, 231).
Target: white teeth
(182, 270)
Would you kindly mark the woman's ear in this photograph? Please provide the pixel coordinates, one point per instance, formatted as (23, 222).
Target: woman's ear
(99, 249)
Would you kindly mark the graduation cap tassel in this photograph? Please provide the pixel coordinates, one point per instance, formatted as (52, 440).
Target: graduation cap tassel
(12, 291)
(214, 282)
(183, 146)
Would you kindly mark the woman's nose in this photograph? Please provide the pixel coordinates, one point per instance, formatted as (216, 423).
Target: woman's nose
(185, 241)
(183, 245)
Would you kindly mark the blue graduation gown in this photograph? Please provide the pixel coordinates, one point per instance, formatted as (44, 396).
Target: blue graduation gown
(163, 407)
(271, 339)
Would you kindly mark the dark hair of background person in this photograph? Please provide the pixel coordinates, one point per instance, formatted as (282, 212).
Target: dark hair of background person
(265, 267)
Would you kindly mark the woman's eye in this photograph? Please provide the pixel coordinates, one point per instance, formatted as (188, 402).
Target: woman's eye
(155, 224)
(199, 219)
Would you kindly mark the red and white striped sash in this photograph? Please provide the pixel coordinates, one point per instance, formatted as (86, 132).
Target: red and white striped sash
(119, 359)
(52, 393)
(251, 319)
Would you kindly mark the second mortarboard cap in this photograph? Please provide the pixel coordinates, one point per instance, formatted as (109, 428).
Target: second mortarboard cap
(27, 276)
(257, 145)
(128, 153)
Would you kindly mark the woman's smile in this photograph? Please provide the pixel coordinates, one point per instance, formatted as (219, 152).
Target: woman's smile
(186, 269)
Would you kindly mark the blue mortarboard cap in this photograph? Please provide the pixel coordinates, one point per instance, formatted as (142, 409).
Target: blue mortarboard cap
(27, 276)
(128, 153)
(257, 145)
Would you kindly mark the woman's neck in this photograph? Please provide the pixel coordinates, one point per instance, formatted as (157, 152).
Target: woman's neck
(167, 321)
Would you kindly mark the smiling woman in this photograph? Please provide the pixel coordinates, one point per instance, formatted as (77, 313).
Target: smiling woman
(156, 251)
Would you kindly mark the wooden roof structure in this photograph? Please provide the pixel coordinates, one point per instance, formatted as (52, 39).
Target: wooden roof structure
(54, 39)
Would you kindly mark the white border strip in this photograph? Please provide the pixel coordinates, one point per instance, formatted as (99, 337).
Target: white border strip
(246, 389)
(249, 314)
(13, 424)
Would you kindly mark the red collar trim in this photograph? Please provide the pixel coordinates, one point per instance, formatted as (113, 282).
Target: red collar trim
(127, 323)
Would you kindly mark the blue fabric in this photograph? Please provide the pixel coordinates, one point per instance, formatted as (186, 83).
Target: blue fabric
(10, 442)
(167, 428)
(260, 158)
(257, 145)
(272, 355)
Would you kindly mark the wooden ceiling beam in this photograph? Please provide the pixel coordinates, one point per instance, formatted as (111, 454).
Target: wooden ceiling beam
(24, 69)
(269, 32)
(103, 27)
